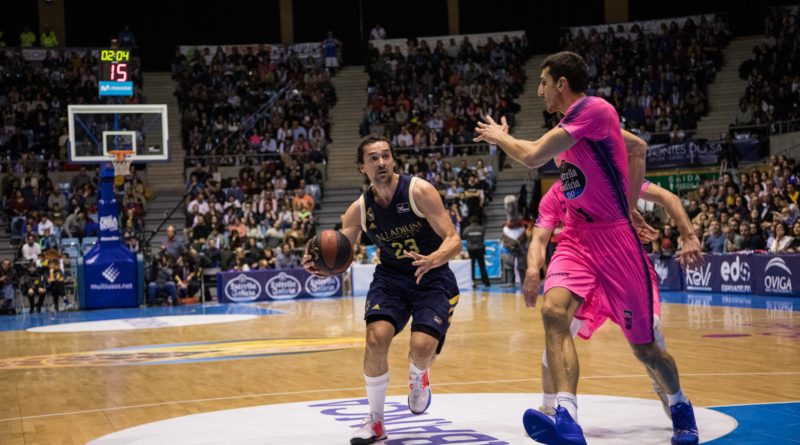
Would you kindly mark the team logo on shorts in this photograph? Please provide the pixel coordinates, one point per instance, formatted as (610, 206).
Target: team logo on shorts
(628, 319)
(437, 320)
(573, 181)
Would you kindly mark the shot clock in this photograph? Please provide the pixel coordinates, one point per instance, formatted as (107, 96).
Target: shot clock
(115, 73)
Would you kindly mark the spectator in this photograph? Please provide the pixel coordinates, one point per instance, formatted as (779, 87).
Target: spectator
(330, 51)
(173, 245)
(126, 38)
(8, 283)
(54, 280)
(33, 285)
(26, 38)
(714, 239)
(162, 281)
(745, 114)
(377, 32)
(474, 234)
(780, 240)
(31, 249)
(286, 259)
(48, 39)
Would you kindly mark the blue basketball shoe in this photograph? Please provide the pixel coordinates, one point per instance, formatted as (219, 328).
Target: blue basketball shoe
(560, 430)
(683, 425)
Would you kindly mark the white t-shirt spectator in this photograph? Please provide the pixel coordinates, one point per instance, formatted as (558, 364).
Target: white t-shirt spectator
(377, 33)
(44, 225)
(405, 139)
(31, 251)
(202, 207)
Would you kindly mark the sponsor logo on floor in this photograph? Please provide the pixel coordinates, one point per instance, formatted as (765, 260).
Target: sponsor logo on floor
(487, 419)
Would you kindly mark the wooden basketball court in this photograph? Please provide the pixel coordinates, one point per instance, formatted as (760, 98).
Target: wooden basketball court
(312, 350)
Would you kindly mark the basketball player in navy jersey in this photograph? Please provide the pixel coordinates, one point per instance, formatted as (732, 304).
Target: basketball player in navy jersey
(405, 218)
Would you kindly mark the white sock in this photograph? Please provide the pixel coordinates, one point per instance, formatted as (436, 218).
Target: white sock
(549, 400)
(376, 393)
(414, 372)
(569, 402)
(677, 398)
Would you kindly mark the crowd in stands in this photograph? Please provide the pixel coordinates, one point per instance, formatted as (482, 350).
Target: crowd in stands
(749, 211)
(773, 74)
(50, 221)
(260, 219)
(657, 81)
(433, 97)
(221, 95)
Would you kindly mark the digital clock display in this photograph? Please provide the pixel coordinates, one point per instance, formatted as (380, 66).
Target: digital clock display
(115, 70)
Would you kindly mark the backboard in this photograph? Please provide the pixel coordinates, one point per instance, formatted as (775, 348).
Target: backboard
(95, 130)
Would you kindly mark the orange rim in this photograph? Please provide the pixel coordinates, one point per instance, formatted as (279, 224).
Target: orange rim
(120, 155)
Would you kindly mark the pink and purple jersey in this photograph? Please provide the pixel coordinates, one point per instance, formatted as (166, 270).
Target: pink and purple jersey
(594, 172)
(553, 206)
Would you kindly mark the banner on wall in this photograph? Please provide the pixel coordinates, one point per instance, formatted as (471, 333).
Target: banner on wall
(733, 274)
(681, 182)
(694, 153)
(475, 40)
(275, 284)
(670, 275)
(277, 51)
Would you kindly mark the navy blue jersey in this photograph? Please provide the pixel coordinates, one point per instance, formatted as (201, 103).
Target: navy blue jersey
(399, 226)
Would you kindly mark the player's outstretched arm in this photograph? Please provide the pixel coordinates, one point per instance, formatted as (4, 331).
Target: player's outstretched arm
(351, 227)
(536, 255)
(690, 255)
(429, 202)
(532, 154)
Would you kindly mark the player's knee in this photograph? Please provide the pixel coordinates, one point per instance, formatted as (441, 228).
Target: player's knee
(423, 346)
(554, 315)
(377, 340)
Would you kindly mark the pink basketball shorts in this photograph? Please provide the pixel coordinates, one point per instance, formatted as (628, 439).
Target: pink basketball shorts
(605, 265)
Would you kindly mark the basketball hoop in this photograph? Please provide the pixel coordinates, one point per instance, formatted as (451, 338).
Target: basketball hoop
(122, 165)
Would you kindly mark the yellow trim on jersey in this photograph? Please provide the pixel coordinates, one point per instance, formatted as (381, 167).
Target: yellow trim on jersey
(454, 300)
(411, 198)
(363, 205)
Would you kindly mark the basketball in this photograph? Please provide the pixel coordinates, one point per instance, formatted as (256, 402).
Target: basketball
(331, 251)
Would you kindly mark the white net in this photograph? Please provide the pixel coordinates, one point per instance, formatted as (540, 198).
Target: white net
(122, 167)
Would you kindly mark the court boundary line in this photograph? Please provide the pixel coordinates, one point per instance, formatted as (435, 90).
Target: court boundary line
(361, 388)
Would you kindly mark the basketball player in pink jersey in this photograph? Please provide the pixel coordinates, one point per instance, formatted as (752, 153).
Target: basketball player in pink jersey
(599, 252)
(588, 319)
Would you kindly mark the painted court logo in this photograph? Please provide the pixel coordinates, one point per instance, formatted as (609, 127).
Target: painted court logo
(111, 273)
(180, 353)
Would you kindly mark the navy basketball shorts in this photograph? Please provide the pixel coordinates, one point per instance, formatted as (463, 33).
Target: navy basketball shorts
(429, 305)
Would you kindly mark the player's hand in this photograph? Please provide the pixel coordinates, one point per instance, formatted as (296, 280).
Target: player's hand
(308, 263)
(690, 254)
(491, 131)
(422, 262)
(645, 231)
(530, 288)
